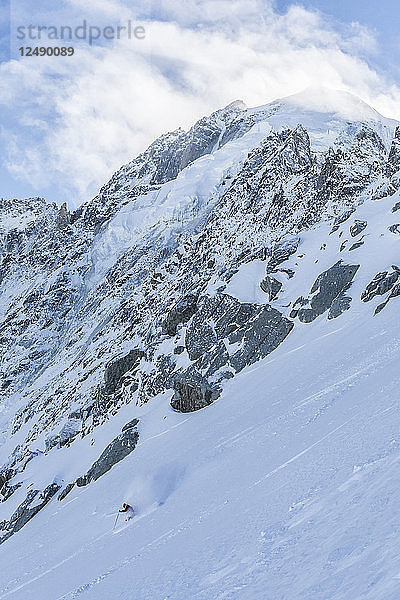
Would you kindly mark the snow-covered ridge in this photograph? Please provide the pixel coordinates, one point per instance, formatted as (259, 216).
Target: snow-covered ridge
(326, 114)
(194, 280)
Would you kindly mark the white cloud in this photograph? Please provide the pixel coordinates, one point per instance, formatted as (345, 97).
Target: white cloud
(78, 119)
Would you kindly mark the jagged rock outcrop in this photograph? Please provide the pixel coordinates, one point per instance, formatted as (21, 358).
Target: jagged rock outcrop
(68, 488)
(192, 392)
(116, 451)
(326, 293)
(271, 286)
(130, 425)
(357, 227)
(280, 252)
(356, 245)
(117, 369)
(33, 503)
(341, 219)
(226, 333)
(180, 313)
(396, 207)
(393, 163)
(381, 283)
(130, 295)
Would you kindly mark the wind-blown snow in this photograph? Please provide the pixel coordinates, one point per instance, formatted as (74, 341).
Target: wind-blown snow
(324, 113)
(286, 487)
(289, 491)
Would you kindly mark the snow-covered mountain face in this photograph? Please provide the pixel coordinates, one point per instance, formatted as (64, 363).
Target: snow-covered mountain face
(256, 231)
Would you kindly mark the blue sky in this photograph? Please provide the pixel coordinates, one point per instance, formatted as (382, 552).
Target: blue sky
(381, 16)
(67, 123)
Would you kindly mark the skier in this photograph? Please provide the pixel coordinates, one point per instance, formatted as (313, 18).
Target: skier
(128, 510)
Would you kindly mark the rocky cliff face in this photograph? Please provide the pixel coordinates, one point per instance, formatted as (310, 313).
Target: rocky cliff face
(195, 260)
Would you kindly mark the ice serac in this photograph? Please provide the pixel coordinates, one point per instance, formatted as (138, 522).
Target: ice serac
(161, 162)
(200, 258)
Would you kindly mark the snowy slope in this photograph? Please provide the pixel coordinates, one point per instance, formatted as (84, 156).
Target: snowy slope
(248, 267)
(288, 492)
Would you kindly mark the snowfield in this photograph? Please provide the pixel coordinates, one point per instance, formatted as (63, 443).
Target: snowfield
(286, 486)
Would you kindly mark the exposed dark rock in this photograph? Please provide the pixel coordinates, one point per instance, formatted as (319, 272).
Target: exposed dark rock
(8, 490)
(381, 307)
(204, 135)
(179, 349)
(271, 286)
(289, 272)
(341, 219)
(357, 227)
(281, 252)
(63, 217)
(393, 164)
(116, 370)
(395, 291)
(368, 293)
(200, 337)
(395, 228)
(326, 288)
(266, 330)
(356, 245)
(5, 476)
(253, 329)
(66, 491)
(381, 283)
(339, 305)
(158, 379)
(301, 301)
(192, 392)
(393, 294)
(116, 451)
(213, 360)
(396, 207)
(25, 511)
(183, 310)
(130, 425)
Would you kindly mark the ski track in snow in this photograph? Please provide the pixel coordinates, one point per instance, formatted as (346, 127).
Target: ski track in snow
(188, 523)
(182, 526)
(230, 432)
(290, 460)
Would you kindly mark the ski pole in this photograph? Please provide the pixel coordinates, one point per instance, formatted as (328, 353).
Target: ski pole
(116, 519)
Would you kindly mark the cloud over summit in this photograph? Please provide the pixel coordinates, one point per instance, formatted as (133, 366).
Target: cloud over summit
(72, 122)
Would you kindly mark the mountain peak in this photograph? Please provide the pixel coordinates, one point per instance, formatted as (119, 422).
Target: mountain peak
(326, 113)
(339, 102)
